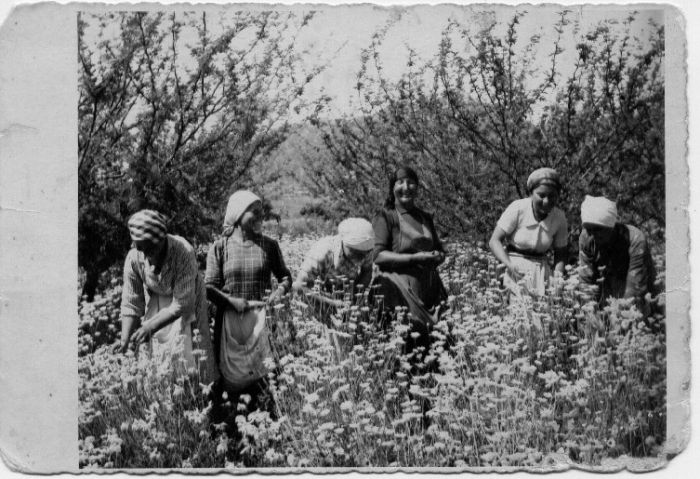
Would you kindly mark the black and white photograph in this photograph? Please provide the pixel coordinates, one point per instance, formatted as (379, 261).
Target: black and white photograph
(437, 238)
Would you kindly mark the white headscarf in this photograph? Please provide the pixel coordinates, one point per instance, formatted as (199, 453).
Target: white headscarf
(357, 233)
(237, 204)
(599, 210)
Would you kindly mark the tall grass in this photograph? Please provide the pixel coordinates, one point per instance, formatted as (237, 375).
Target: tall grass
(516, 385)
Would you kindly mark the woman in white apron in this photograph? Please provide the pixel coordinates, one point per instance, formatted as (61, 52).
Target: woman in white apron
(527, 230)
(239, 273)
(164, 292)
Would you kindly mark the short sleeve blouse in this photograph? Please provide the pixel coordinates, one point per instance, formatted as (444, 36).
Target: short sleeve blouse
(526, 233)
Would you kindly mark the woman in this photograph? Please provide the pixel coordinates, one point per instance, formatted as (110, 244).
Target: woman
(531, 227)
(332, 260)
(407, 251)
(614, 257)
(162, 285)
(238, 275)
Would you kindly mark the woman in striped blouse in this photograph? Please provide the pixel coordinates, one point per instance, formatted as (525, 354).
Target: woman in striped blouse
(163, 293)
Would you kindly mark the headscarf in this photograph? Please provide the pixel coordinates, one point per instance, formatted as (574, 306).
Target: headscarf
(357, 233)
(543, 176)
(406, 172)
(599, 210)
(400, 173)
(147, 225)
(238, 203)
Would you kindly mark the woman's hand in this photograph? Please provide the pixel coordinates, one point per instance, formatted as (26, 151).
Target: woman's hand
(143, 334)
(120, 347)
(514, 273)
(432, 258)
(438, 257)
(239, 305)
(423, 257)
(276, 295)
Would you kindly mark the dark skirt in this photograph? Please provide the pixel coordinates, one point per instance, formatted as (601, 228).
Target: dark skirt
(421, 291)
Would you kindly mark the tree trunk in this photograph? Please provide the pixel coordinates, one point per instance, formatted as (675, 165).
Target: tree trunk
(92, 279)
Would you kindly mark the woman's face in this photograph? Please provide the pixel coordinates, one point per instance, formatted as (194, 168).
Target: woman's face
(544, 198)
(251, 220)
(150, 249)
(354, 255)
(405, 191)
(601, 234)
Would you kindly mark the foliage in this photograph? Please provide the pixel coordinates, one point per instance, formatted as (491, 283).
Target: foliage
(486, 111)
(175, 112)
(526, 385)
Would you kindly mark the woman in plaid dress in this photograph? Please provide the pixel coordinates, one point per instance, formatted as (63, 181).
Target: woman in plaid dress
(238, 277)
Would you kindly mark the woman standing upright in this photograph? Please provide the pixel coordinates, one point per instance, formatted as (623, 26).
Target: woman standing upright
(407, 252)
(530, 227)
(239, 271)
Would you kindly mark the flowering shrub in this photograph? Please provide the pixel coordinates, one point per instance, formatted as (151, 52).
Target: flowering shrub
(518, 385)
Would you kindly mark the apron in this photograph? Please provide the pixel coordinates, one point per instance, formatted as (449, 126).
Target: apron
(417, 287)
(173, 342)
(244, 347)
(536, 271)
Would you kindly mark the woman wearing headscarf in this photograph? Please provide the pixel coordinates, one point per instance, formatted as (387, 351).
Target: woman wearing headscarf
(407, 252)
(163, 293)
(333, 260)
(617, 254)
(239, 273)
(527, 230)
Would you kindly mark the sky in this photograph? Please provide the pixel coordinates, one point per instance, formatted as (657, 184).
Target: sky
(336, 36)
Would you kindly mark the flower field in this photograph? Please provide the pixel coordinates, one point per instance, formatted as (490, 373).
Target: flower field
(526, 385)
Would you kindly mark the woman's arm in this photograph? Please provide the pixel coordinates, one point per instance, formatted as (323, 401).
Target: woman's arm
(281, 272)
(561, 244)
(133, 304)
(560, 259)
(388, 259)
(439, 254)
(223, 300)
(496, 246)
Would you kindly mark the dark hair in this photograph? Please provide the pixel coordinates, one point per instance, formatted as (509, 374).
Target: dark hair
(400, 172)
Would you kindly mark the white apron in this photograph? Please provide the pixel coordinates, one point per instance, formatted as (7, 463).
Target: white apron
(536, 271)
(173, 342)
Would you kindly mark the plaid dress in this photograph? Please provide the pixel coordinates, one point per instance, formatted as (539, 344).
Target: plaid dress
(243, 270)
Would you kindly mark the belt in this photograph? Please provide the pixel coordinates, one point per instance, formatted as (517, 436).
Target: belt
(528, 253)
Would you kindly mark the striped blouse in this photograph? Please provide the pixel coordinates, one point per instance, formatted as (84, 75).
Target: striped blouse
(178, 277)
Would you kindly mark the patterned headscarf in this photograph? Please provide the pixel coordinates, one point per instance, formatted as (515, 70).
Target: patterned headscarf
(147, 225)
(357, 233)
(543, 176)
(238, 203)
(599, 210)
